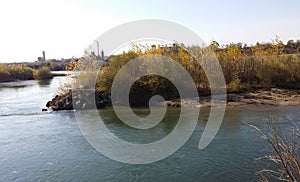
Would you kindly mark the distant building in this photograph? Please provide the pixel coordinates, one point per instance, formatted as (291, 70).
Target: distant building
(44, 56)
(102, 55)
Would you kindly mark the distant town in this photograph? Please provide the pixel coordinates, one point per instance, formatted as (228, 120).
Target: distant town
(56, 64)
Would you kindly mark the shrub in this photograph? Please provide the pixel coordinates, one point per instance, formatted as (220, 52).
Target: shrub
(4, 75)
(234, 85)
(42, 73)
(20, 72)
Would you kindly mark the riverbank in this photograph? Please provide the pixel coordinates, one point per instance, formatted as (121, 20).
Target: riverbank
(66, 101)
(268, 97)
(271, 97)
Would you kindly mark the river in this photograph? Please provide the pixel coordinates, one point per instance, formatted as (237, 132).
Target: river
(48, 146)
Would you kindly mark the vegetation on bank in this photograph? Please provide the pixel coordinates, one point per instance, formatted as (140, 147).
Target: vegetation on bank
(262, 65)
(245, 68)
(42, 73)
(22, 72)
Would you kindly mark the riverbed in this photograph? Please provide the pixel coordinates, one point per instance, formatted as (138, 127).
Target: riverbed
(48, 146)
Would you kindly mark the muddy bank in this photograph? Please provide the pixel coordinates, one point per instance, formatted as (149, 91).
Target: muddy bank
(274, 96)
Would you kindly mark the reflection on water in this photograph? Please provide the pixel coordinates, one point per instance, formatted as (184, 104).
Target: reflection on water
(44, 82)
(19, 84)
(112, 122)
(45, 146)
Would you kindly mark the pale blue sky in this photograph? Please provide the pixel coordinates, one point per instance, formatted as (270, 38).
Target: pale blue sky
(226, 21)
(66, 28)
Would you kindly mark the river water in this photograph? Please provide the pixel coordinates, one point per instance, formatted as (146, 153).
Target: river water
(48, 146)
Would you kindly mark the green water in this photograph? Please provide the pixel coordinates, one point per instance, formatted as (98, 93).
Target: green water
(41, 146)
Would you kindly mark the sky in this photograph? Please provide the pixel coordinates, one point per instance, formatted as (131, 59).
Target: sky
(65, 28)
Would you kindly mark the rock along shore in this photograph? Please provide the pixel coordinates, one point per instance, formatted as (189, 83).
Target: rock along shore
(66, 101)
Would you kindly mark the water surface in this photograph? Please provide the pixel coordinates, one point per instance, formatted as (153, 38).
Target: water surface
(40, 146)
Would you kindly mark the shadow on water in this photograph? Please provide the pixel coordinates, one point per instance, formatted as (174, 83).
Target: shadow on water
(113, 123)
(13, 86)
(43, 83)
(17, 84)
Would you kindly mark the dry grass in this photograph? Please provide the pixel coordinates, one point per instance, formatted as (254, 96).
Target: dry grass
(283, 162)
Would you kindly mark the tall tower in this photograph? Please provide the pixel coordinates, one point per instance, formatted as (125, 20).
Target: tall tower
(44, 56)
(98, 48)
(102, 55)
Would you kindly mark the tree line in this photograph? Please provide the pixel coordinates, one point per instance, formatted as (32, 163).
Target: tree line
(23, 72)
